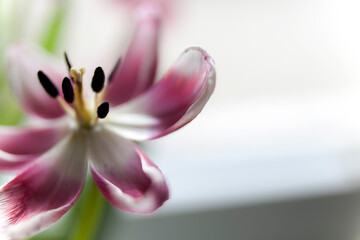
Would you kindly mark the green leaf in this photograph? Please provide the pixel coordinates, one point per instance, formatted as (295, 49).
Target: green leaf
(53, 31)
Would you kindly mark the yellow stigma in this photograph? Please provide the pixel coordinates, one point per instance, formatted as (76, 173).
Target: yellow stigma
(84, 113)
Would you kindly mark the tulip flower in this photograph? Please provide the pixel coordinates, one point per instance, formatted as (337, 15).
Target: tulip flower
(74, 129)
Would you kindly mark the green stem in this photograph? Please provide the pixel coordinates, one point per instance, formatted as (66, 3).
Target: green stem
(89, 213)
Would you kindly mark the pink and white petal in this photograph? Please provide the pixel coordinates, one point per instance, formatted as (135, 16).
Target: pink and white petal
(20, 146)
(44, 191)
(144, 202)
(137, 70)
(116, 159)
(31, 139)
(10, 161)
(167, 6)
(171, 103)
(22, 66)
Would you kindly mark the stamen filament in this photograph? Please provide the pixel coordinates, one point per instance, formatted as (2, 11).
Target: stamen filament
(117, 65)
(67, 61)
(99, 97)
(66, 107)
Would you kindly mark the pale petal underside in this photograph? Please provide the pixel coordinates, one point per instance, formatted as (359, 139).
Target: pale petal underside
(171, 103)
(126, 177)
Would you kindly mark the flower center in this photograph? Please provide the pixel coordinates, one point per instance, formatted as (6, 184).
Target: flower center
(86, 111)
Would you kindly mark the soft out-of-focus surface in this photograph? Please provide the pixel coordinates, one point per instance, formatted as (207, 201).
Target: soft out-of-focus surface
(268, 48)
(284, 118)
(274, 154)
(323, 218)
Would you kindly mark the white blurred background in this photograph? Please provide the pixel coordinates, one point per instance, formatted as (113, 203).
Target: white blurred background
(275, 153)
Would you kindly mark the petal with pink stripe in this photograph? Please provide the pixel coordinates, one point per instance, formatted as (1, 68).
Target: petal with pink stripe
(171, 103)
(126, 177)
(9, 162)
(136, 72)
(44, 191)
(31, 139)
(22, 66)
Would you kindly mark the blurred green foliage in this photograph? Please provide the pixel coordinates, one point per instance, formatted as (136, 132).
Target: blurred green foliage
(10, 113)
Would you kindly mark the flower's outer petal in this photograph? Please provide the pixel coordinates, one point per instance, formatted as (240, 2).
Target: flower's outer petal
(137, 70)
(10, 161)
(171, 103)
(44, 191)
(31, 139)
(22, 66)
(115, 157)
(19, 146)
(125, 176)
